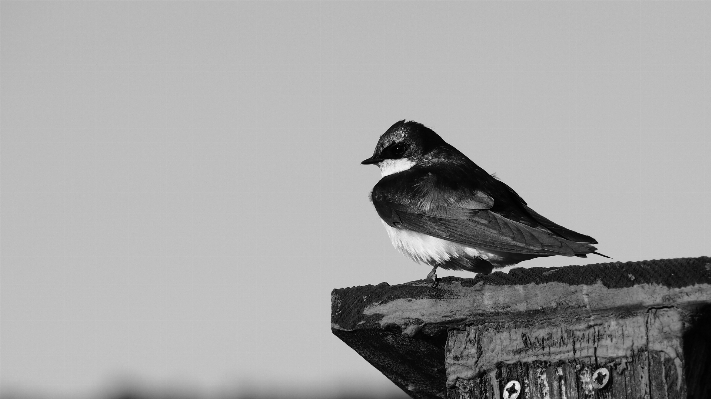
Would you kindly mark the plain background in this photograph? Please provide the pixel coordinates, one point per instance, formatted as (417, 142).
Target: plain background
(181, 186)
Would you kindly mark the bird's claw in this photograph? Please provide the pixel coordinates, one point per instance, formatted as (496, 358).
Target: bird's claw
(433, 276)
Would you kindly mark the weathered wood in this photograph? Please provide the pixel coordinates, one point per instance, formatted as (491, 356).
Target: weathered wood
(618, 379)
(647, 324)
(572, 380)
(415, 364)
(594, 345)
(697, 352)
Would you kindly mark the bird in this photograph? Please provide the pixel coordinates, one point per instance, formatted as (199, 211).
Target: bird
(441, 209)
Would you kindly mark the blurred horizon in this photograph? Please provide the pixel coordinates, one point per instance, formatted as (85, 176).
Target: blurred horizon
(139, 394)
(181, 188)
(137, 391)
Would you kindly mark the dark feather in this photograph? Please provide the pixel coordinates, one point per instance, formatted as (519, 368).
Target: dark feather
(464, 204)
(560, 230)
(476, 265)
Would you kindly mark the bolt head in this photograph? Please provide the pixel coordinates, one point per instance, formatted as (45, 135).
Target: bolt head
(600, 378)
(512, 389)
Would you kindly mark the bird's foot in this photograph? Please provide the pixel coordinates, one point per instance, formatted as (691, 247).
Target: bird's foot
(433, 276)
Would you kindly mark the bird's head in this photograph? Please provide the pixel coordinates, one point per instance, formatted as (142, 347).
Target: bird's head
(402, 146)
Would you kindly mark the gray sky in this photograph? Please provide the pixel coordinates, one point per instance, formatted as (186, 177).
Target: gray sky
(181, 186)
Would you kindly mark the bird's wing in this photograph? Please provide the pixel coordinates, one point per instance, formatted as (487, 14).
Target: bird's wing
(430, 193)
(460, 210)
(560, 230)
(540, 220)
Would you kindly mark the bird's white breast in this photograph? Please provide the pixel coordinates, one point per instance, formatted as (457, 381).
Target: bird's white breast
(427, 249)
(390, 166)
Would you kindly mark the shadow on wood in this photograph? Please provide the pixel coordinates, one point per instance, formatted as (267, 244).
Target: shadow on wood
(610, 330)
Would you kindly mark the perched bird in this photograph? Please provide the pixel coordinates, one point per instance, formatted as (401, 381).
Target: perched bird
(441, 209)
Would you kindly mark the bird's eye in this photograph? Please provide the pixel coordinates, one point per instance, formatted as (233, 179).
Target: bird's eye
(397, 150)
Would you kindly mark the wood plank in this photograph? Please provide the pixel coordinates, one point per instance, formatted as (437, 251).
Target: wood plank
(485, 387)
(463, 390)
(640, 377)
(552, 379)
(539, 380)
(617, 381)
(657, 384)
(495, 384)
(518, 372)
(631, 386)
(675, 383)
(585, 389)
(647, 375)
(571, 379)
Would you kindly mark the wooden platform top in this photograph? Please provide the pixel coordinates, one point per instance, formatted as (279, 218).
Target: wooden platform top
(527, 292)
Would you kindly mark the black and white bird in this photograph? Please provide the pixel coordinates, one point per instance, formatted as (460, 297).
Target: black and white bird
(441, 209)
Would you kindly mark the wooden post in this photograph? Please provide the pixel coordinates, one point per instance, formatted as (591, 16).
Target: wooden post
(612, 330)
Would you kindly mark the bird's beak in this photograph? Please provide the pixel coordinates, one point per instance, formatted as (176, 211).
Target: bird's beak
(372, 160)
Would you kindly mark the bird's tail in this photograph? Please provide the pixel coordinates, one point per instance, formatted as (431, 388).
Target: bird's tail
(604, 256)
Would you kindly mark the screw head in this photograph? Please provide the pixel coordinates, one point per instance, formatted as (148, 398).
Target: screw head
(512, 389)
(600, 378)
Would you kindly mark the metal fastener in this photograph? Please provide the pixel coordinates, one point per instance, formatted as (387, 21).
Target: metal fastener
(600, 378)
(512, 389)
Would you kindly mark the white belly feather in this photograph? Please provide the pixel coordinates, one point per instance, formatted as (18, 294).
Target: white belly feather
(427, 249)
